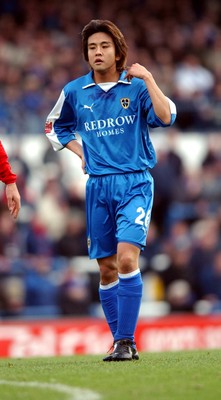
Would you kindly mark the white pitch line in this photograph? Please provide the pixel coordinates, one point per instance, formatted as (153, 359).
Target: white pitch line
(73, 393)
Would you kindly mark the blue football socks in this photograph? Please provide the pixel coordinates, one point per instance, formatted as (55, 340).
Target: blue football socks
(121, 301)
(108, 299)
(129, 301)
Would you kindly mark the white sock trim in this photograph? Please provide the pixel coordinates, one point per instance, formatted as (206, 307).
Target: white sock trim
(130, 274)
(109, 286)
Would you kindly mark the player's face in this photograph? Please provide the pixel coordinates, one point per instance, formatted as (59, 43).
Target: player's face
(101, 53)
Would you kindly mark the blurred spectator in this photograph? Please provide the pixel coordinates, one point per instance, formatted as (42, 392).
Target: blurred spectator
(10, 238)
(37, 240)
(74, 293)
(178, 273)
(191, 78)
(52, 209)
(12, 296)
(41, 291)
(192, 87)
(178, 279)
(205, 236)
(209, 279)
(73, 242)
(153, 246)
(166, 190)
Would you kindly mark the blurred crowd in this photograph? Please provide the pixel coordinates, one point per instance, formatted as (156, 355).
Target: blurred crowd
(40, 51)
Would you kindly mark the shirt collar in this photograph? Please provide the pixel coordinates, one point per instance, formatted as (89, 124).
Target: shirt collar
(89, 81)
(122, 78)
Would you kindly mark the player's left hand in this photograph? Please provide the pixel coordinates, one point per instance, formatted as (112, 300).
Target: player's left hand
(138, 71)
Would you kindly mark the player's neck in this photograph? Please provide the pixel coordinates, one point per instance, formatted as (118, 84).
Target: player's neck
(106, 76)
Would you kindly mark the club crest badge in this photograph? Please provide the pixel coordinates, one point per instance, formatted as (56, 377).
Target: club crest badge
(125, 102)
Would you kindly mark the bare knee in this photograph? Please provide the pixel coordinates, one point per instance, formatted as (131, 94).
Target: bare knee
(127, 263)
(127, 258)
(108, 270)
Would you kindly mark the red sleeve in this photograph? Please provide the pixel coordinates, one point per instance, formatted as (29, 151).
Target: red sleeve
(6, 174)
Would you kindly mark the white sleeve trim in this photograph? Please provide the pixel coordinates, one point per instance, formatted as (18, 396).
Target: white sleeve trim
(172, 106)
(52, 117)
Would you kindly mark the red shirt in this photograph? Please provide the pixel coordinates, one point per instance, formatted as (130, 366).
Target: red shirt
(6, 174)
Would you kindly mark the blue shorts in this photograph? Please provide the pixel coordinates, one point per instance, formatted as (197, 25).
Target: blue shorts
(118, 209)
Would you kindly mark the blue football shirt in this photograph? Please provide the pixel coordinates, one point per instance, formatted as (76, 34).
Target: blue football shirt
(112, 124)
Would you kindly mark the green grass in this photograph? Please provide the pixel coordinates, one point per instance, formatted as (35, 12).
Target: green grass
(189, 375)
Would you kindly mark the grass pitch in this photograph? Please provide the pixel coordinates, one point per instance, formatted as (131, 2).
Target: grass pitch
(190, 375)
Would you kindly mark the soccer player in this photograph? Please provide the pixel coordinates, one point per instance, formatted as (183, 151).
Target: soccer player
(9, 178)
(111, 109)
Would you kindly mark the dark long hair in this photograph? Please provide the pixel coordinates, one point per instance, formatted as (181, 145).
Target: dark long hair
(98, 25)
